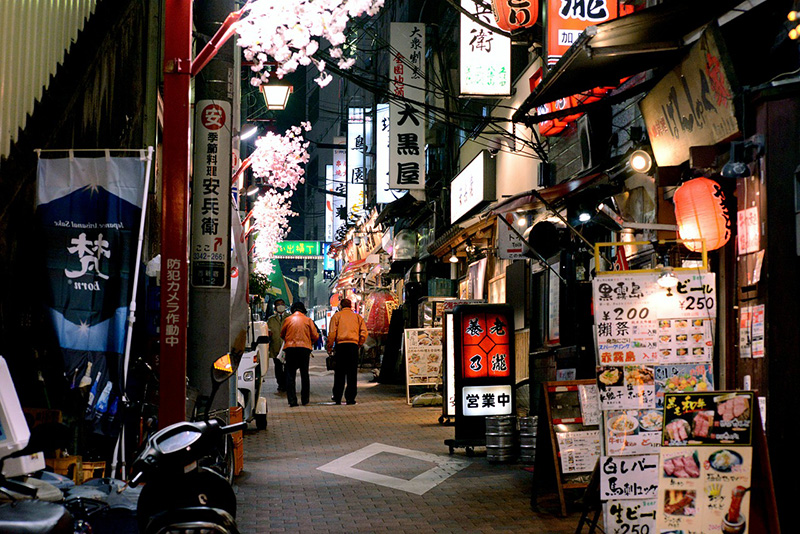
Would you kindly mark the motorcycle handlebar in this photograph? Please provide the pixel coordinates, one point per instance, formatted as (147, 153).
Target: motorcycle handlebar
(235, 427)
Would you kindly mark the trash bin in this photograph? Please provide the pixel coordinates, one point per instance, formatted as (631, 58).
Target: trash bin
(527, 439)
(500, 438)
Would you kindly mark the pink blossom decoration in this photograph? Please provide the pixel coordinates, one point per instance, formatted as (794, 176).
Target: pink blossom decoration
(287, 31)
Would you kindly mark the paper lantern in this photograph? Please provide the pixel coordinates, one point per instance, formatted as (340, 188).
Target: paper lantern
(515, 14)
(701, 214)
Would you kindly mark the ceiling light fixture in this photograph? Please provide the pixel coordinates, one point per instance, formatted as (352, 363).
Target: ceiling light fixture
(667, 279)
(453, 257)
(641, 161)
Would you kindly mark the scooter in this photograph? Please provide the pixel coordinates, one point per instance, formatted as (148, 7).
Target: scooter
(179, 494)
(20, 454)
(248, 395)
(249, 377)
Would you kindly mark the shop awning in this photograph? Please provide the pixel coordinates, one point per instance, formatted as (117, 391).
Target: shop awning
(603, 54)
(530, 200)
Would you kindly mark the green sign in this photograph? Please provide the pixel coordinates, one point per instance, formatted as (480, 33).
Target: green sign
(298, 248)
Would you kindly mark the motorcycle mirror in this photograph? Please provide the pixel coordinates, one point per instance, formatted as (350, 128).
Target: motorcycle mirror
(222, 369)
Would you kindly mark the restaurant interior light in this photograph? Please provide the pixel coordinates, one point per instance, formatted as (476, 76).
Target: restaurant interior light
(522, 222)
(252, 190)
(453, 257)
(276, 96)
(584, 216)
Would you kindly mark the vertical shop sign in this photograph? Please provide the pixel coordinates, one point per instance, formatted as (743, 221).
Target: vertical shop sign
(330, 214)
(340, 186)
(383, 143)
(554, 305)
(407, 111)
(356, 168)
(566, 20)
(485, 56)
(210, 239)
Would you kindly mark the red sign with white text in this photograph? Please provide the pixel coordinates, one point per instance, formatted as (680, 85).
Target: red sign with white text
(485, 349)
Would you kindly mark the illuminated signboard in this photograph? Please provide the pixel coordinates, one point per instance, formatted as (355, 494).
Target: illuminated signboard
(485, 58)
(567, 19)
(359, 134)
(406, 112)
(483, 354)
(298, 248)
(473, 185)
(384, 194)
(340, 186)
(330, 214)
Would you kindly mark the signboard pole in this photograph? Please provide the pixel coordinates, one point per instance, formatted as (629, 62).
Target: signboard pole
(175, 215)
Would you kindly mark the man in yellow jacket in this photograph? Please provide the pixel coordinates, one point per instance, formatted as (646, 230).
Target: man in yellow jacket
(347, 333)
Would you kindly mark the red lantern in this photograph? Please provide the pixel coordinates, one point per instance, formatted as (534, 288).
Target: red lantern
(515, 14)
(702, 215)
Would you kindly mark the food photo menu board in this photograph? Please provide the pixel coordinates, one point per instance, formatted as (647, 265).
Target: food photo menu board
(423, 348)
(705, 463)
(650, 341)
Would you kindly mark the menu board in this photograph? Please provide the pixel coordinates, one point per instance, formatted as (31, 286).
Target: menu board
(633, 431)
(423, 348)
(651, 342)
(636, 516)
(705, 464)
(628, 477)
(639, 322)
(578, 451)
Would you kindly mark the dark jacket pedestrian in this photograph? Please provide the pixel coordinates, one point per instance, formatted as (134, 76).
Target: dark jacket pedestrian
(299, 334)
(274, 324)
(347, 333)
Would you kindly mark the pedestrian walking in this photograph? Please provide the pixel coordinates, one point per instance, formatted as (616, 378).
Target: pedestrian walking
(347, 333)
(274, 324)
(299, 334)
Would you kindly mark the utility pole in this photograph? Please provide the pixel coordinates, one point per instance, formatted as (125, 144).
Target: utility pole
(209, 252)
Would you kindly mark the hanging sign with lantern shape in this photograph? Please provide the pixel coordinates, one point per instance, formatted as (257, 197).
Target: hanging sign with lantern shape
(484, 366)
(702, 215)
(515, 14)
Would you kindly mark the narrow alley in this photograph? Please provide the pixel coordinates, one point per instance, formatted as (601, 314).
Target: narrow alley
(377, 466)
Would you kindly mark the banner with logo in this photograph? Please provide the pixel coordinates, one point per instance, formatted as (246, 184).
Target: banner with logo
(89, 212)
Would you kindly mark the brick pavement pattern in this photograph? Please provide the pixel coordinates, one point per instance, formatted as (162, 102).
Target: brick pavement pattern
(282, 489)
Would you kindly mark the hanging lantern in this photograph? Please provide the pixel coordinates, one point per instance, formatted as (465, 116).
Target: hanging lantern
(515, 14)
(701, 214)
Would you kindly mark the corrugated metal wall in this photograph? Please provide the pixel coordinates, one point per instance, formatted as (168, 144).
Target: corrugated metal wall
(34, 38)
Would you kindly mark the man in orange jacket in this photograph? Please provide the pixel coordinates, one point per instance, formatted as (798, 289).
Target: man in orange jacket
(299, 334)
(348, 332)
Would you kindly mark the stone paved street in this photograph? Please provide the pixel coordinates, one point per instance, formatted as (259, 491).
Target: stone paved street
(335, 469)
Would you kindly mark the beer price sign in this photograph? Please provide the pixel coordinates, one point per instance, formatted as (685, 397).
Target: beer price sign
(484, 366)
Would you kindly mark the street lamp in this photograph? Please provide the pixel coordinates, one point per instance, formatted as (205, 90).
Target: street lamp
(276, 95)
